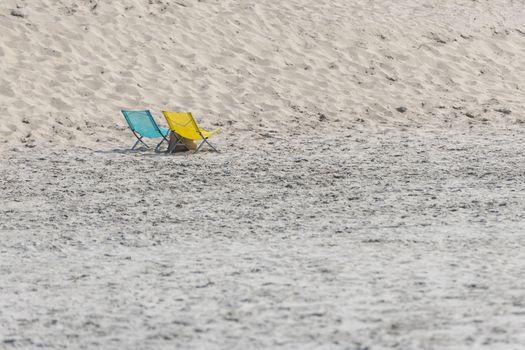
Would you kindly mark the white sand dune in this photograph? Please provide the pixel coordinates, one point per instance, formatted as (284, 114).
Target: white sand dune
(67, 67)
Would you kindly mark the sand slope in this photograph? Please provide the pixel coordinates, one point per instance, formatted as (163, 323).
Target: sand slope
(67, 67)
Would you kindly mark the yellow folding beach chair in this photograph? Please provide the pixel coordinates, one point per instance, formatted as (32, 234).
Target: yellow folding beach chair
(182, 124)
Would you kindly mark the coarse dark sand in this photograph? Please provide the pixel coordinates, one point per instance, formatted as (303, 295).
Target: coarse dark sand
(368, 240)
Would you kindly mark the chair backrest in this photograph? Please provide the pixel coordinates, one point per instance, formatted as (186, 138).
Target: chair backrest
(183, 124)
(142, 122)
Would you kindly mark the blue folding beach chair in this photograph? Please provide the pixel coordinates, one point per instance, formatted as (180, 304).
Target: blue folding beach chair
(143, 125)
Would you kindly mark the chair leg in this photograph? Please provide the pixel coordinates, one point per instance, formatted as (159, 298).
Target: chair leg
(160, 143)
(164, 139)
(135, 145)
(212, 146)
(173, 145)
(139, 140)
(209, 144)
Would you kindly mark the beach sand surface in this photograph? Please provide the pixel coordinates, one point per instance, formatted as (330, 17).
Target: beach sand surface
(397, 240)
(369, 193)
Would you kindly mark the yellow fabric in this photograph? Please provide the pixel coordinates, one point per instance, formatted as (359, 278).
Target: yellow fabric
(183, 124)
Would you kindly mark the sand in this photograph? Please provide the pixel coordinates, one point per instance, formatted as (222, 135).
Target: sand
(396, 240)
(69, 66)
(369, 192)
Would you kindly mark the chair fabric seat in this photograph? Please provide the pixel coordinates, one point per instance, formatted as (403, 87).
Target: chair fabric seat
(165, 131)
(184, 125)
(142, 122)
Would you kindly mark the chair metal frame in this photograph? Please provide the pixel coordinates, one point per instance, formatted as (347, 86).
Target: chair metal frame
(205, 140)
